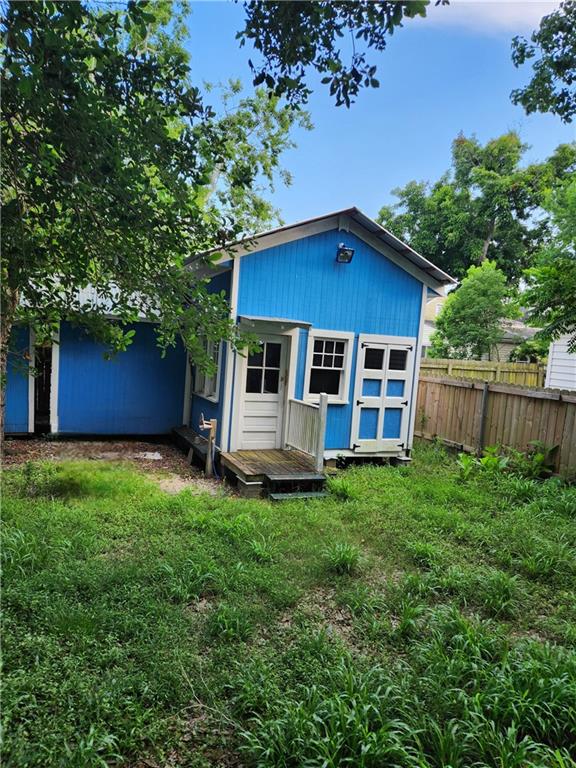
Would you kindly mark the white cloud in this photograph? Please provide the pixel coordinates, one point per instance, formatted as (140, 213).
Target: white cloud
(495, 16)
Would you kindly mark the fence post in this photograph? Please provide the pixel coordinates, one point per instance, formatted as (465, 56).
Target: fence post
(321, 435)
(209, 470)
(483, 412)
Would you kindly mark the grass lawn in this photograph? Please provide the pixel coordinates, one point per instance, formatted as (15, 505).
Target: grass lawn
(409, 619)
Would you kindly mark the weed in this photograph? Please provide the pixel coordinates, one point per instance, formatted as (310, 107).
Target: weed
(342, 558)
(227, 623)
(467, 465)
(261, 550)
(424, 553)
(341, 488)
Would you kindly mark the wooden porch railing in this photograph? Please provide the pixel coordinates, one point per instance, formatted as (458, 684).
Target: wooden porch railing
(307, 428)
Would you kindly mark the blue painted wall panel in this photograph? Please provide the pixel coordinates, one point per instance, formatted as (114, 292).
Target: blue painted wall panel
(137, 392)
(368, 429)
(301, 280)
(17, 382)
(395, 388)
(392, 422)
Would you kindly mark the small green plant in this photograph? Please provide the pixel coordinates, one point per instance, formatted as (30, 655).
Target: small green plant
(493, 461)
(228, 623)
(342, 558)
(467, 465)
(424, 553)
(261, 550)
(341, 488)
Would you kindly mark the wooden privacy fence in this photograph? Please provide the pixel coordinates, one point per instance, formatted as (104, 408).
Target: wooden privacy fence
(470, 415)
(525, 374)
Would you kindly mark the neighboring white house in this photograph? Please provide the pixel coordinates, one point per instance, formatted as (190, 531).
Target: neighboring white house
(561, 368)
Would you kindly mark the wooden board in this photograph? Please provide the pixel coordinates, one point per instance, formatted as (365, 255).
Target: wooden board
(253, 466)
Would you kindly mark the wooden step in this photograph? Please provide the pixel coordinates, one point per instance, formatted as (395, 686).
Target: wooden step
(296, 477)
(297, 495)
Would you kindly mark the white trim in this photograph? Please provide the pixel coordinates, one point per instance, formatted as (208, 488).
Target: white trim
(227, 395)
(187, 405)
(348, 337)
(349, 220)
(54, 382)
(292, 364)
(269, 240)
(334, 453)
(31, 379)
(416, 378)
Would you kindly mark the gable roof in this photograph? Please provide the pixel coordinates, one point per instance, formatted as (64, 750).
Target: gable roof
(346, 220)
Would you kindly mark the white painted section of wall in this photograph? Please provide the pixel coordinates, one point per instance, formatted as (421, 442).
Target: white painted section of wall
(415, 379)
(54, 382)
(227, 404)
(561, 368)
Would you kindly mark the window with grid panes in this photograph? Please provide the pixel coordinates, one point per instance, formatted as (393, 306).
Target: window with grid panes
(327, 370)
(206, 385)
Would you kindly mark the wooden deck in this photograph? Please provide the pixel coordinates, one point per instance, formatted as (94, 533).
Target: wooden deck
(273, 465)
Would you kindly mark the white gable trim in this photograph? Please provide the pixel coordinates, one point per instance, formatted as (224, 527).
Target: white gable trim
(340, 222)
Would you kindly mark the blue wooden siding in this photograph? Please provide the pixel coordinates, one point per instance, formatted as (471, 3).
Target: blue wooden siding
(302, 280)
(200, 405)
(17, 382)
(137, 392)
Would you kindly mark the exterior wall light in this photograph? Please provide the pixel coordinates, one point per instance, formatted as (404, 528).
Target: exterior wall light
(344, 254)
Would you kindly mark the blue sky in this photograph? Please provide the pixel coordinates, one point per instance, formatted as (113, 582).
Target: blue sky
(441, 75)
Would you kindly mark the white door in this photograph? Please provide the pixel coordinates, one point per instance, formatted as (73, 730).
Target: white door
(382, 393)
(262, 413)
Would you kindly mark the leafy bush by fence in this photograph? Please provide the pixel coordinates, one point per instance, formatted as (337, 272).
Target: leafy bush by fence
(470, 415)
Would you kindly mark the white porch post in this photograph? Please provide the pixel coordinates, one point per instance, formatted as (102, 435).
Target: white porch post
(321, 438)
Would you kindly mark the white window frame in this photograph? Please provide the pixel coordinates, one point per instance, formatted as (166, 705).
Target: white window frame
(342, 398)
(201, 379)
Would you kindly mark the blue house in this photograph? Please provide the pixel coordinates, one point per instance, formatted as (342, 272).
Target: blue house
(337, 303)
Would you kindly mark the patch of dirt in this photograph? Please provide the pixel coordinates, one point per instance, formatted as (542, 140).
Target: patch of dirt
(169, 466)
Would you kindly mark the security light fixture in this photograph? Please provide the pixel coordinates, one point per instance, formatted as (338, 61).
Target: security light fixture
(344, 254)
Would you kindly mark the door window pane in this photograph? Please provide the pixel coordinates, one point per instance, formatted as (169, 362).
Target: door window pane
(254, 380)
(398, 358)
(374, 358)
(271, 380)
(256, 358)
(322, 380)
(272, 355)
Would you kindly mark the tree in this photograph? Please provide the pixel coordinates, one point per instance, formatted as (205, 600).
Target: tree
(553, 84)
(551, 292)
(483, 208)
(295, 36)
(114, 173)
(469, 325)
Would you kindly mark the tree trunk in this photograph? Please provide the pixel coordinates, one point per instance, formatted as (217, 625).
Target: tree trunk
(488, 238)
(9, 304)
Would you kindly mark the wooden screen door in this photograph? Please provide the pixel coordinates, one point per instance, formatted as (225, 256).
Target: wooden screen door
(382, 393)
(263, 395)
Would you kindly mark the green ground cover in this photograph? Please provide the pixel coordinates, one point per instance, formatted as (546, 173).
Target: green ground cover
(411, 618)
